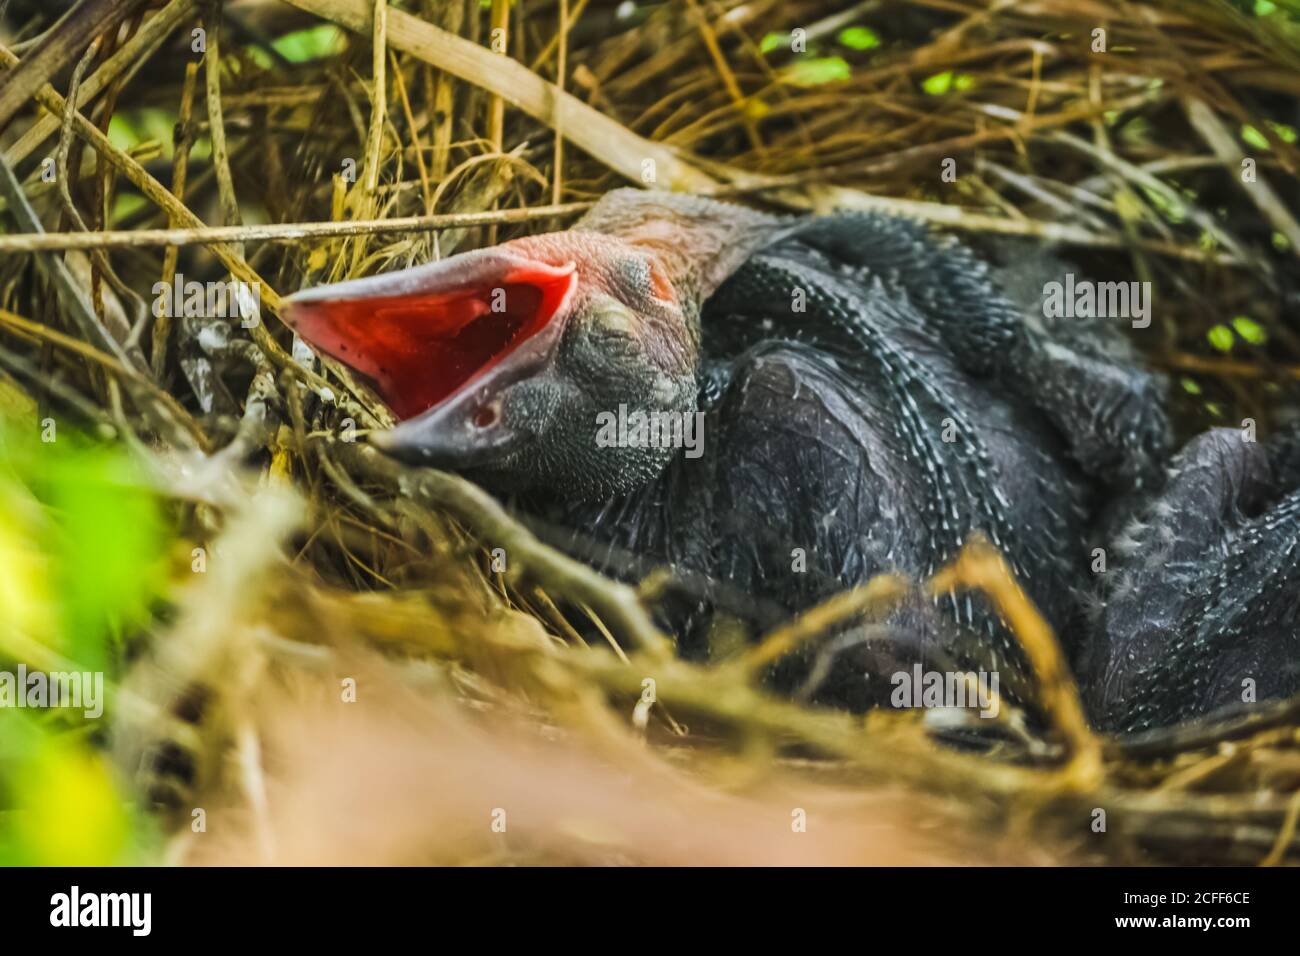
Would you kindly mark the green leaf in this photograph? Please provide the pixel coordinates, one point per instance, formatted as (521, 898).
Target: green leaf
(310, 44)
(938, 84)
(946, 81)
(1250, 330)
(774, 41)
(1221, 338)
(1254, 137)
(260, 57)
(1190, 386)
(1264, 7)
(134, 129)
(859, 38)
(1286, 134)
(123, 133)
(815, 72)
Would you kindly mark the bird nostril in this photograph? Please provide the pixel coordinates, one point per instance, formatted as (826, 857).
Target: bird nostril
(485, 416)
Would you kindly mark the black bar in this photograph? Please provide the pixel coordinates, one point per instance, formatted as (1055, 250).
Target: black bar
(438, 906)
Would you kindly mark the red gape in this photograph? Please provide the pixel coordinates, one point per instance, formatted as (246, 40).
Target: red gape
(418, 349)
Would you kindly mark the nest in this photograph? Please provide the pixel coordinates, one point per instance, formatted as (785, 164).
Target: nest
(354, 661)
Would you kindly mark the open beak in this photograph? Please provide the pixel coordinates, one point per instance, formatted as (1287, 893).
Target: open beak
(439, 343)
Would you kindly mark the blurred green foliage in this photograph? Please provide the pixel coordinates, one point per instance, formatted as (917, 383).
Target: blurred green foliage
(92, 534)
(82, 551)
(59, 802)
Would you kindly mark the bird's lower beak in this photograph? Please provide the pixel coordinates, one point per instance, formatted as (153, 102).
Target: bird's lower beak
(468, 428)
(440, 341)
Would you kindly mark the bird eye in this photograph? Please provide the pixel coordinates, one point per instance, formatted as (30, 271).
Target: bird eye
(617, 319)
(642, 278)
(485, 416)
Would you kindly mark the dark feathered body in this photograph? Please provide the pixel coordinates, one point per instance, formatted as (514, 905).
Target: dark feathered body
(861, 419)
(1204, 608)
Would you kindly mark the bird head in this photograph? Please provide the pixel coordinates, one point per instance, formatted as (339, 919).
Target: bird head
(498, 362)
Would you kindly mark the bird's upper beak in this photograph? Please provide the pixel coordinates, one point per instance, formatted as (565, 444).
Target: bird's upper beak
(440, 341)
